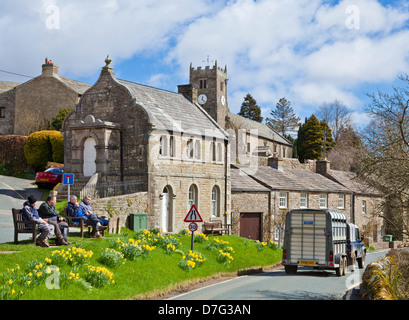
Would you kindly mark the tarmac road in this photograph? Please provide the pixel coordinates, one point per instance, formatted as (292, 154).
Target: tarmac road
(306, 284)
(13, 193)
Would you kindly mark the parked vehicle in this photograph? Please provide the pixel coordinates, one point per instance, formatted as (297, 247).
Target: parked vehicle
(319, 238)
(50, 177)
(356, 250)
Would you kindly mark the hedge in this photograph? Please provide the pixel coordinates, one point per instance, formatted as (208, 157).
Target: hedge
(12, 153)
(43, 146)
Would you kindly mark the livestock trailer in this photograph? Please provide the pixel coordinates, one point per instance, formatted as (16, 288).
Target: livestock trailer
(315, 238)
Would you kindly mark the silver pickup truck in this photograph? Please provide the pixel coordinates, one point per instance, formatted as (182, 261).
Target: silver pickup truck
(320, 239)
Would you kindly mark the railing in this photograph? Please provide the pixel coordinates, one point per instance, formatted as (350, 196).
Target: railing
(107, 189)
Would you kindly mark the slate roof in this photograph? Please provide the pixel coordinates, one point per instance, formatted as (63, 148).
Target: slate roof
(78, 86)
(7, 85)
(294, 179)
(264, 131)
(171, 111)
(240, 181)
(350, 181)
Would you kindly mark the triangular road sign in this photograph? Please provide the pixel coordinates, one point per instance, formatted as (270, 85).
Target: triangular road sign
(193, 215)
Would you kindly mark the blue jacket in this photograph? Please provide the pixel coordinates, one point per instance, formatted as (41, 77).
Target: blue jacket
(30, 213)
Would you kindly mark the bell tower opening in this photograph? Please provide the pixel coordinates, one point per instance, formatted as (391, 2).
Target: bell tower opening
(212, 90)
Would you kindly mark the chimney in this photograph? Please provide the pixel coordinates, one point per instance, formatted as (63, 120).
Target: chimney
(323, 166)
(275, 162)
(189, 91)
(50, 69)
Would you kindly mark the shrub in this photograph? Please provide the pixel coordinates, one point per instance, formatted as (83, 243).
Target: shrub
(44, 146)
(12, 153)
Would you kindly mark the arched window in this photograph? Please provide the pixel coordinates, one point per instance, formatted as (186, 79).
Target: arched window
(192, 195)
(216, 201)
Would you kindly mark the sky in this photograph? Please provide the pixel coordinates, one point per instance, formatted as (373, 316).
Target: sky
(308, 51)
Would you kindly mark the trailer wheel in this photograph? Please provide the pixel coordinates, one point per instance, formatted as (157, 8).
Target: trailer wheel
(344, 263)
(340, 271)
(361, 261)
(291, 269)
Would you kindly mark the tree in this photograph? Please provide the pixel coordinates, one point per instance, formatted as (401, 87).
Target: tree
(56, 122)
(249, 109)
(384, 160)
(345, 154)
(336, 114)
(283, 118)
(310, 140)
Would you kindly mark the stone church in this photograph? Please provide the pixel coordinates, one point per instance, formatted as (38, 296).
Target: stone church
(175, 151)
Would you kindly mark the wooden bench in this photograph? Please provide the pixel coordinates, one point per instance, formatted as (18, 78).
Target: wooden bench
(214, 227)
(81, 223)
(22, 226)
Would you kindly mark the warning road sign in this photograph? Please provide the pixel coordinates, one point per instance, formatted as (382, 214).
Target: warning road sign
(193, 215)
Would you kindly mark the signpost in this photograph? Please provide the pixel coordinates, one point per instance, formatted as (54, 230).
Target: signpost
(193, 216)
(68, 179)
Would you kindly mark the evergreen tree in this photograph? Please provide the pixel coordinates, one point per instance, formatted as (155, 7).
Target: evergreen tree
(249, 109)
(310, 141)
(283, 119)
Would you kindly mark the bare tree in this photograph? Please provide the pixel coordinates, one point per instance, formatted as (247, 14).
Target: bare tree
(385, 161)
(336, 114)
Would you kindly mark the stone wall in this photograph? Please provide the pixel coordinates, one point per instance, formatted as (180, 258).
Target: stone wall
(7, 101)
(121, 207)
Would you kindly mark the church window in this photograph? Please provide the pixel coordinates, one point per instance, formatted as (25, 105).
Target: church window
(189, 149)
(192, 195)
(216, 201)
(172, 146)
(219, 152)
(221, 86)
(2, 112)
(163, 146)
(197, 149)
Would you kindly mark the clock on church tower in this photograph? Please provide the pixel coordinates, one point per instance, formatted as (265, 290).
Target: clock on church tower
(212, 92)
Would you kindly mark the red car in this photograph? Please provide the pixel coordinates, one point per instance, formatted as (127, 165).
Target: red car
(50, 177)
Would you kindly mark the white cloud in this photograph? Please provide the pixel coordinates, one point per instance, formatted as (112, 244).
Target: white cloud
(303, 50)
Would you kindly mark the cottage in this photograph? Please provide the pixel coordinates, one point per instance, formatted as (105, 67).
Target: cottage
(27, 107)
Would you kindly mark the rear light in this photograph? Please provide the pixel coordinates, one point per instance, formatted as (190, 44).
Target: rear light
(331, 258)
(285, 254)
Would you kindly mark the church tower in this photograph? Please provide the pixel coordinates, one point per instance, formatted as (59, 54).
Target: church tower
(212, 90)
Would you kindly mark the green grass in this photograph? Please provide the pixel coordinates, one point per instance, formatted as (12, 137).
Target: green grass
(144, 277)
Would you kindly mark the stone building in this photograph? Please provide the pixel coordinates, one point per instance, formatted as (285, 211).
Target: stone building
(262, 195)
(27, 106)
(164, 143)
(249, 139)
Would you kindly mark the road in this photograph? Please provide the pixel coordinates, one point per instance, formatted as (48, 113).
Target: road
(306, 284)
(13, 193)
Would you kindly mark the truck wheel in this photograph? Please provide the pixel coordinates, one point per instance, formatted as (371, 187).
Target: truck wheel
(290, 269)
(361, 261)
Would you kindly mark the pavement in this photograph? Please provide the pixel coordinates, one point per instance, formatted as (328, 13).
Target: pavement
(13, 194)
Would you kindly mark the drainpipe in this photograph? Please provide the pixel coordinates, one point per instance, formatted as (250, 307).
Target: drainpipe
(225, 182)
(121, 155)
(353, 207)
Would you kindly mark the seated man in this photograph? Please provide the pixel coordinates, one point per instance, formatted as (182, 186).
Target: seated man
(74, 209)
(30, 213)
(48, 211)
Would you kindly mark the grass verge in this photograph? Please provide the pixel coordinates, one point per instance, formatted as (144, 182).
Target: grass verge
(131, 265)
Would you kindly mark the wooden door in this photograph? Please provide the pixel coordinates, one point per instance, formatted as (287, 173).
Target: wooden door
(250, 226)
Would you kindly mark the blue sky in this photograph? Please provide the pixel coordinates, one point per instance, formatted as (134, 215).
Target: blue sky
(310, 52)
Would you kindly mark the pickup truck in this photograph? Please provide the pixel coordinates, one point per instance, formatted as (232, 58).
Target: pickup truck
(321, 239)
(356, 250)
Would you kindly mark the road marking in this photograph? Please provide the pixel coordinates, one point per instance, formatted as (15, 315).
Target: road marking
(12, 189)
(354, 285)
